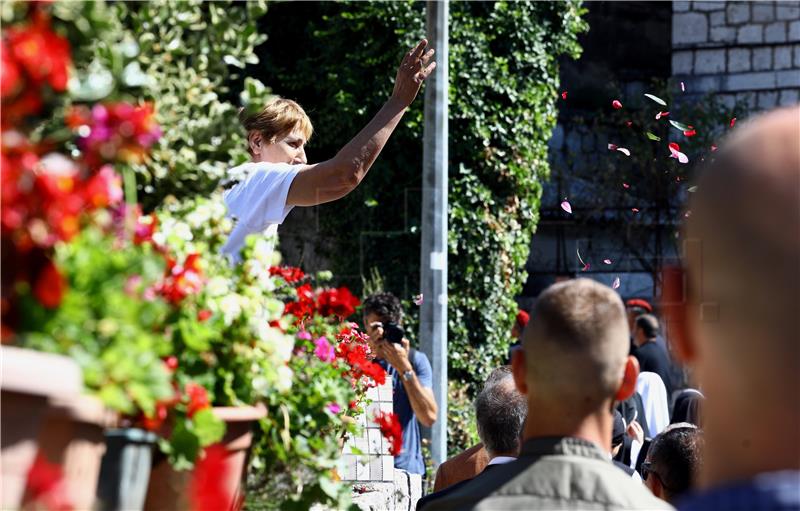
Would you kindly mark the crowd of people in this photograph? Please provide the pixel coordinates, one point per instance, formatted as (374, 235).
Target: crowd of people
(601, 407)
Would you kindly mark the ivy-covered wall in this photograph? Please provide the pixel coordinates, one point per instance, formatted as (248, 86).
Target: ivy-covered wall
(338, 59)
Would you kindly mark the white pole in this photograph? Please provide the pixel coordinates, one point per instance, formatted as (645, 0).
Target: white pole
(433, 264)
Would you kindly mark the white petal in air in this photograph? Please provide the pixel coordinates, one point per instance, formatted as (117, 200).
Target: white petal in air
(566, 207)
(615, 284)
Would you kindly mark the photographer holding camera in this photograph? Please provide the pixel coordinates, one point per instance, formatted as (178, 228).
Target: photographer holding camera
(410, 371)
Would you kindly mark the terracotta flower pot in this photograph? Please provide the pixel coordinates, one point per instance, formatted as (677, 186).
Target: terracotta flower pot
(169, 489)
(29, 380)
(72, 437)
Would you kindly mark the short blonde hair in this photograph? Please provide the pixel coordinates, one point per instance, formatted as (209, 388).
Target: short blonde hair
(278, 118)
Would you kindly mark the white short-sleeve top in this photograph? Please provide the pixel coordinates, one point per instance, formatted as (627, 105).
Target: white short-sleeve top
(257, 203)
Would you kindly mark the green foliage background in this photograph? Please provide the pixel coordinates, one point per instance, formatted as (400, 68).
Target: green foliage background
(339, 59)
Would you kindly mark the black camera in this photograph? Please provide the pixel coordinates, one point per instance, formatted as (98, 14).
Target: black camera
(393, 332)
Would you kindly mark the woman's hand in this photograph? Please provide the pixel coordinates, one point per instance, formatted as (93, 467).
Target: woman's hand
(635, 431)
(413, 71)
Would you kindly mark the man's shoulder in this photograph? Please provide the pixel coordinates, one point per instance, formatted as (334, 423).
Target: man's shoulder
(552, 482)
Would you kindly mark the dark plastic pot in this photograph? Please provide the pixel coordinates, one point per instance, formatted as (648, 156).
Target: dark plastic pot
(125, 470)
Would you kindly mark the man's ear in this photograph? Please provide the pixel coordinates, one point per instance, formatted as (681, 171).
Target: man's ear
(657, 487)
(519, 370)
(675, 304)
(628, 384)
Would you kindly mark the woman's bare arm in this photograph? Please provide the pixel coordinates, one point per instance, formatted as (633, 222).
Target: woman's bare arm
(335, 178)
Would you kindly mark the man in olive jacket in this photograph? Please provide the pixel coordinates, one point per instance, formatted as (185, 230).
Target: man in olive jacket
(573, 366)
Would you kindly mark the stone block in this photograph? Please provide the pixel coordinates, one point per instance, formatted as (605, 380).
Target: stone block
(682, 63)
(703, 84)
(727, 100)
(763, 12)
(738, 60)
(797, 55)
(767, 100)
(387, 467)
(762, 59)
(689, 28)
(749, 81)
(708, 6)
(717, 19)
(402, 489)
(787, 10)
(738, 12)
(680, 6)
(415, 489)
(573, 142)
(788, 78)
(750, 34)
(709, 62)
(748, 99)
(789, 97)
(782, 57)
(557, 139)
(723, 34)
(794, 31)
(587, 142)
(362, 471)
(775, 32)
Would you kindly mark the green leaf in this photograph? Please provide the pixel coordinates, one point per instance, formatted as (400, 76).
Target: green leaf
(330, 488)
(657, 99)
(208, 427)
(115, 397)
(653, 137)
(370, 203)
(679, 125)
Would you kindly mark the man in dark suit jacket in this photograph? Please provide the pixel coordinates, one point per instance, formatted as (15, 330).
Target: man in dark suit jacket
(500, 412)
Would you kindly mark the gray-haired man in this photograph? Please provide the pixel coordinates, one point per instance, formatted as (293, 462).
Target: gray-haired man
(500, 412)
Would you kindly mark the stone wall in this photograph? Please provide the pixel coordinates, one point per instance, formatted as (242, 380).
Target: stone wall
(742, 51)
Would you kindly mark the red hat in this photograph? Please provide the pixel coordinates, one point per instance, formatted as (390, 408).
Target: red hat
(638, 303)
(523, 318)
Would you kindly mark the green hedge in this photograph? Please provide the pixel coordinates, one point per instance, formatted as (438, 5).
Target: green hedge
(338, 59)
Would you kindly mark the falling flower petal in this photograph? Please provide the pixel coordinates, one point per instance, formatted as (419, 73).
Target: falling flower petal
(653, 137)
(565, 205)
(656, 99)
(675, 152)
(687, 214)
(680, 126)
(690, 133)
(626, 185)
(713, 148)
(586, 267)
(629, 123)
(659, 115)
(578, 252)
(615, 284)
(612, 147)
(564, 95)
(635, 210)
(607, 261)
(418, 300)
(733, 121)
(624, 151)
(683, 87)
(616, 104)
(692, 189)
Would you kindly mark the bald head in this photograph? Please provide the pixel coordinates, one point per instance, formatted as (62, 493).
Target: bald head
(743, 243)
(576, 344)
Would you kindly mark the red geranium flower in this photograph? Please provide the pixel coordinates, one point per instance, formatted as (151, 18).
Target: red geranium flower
(337, 302)
(198, 398)
(50, 286)
(289, 273)
(391, 431)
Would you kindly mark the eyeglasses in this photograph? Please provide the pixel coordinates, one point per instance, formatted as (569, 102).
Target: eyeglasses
(647, 469)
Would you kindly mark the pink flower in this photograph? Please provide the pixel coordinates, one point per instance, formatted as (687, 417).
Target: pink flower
(302, 334)
(324, 350)
(334, 408)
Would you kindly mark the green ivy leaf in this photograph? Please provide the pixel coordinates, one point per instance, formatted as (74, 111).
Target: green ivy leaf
(653, 137)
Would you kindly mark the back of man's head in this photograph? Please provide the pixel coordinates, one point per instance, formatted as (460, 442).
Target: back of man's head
(675, 458)
(385, 306)
(742, 256)
(576, 346)
(648, 324)
(500, 412)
